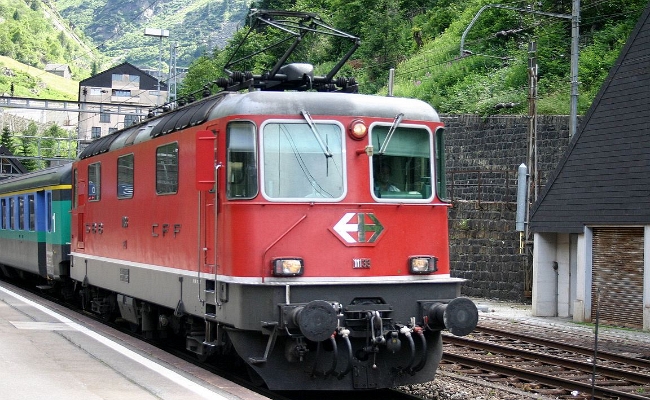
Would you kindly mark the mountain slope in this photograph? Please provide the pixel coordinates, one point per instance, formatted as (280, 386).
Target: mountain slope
(117, 27)
(32, 34)
(33, 82)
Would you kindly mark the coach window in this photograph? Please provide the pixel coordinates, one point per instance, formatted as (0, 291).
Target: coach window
(31, 221)
(3, 213)
(21, 213)
(167, 169)
(94, 182)
(303, 162)
(12, 213)
(49, 221)
(401, 164)
(125, 177)
(242, 161)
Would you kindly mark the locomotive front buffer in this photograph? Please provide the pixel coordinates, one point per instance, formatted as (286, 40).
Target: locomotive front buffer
(363, 336)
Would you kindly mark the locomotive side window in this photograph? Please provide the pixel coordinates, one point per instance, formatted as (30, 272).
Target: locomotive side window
(441, 176)
(125, 177)
(303, 163)
(401, 165)
(94, 182)
(167, 169)
(241, 168)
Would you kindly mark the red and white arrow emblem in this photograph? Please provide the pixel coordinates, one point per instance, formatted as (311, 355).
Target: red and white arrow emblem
(358, 228)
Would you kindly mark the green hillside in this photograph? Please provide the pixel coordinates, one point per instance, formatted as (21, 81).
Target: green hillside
(33, 82)
(498, 70)
(421, 40)
(32, 33)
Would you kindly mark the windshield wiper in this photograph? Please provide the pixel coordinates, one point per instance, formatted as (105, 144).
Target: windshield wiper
(312, 126)
(396, 121)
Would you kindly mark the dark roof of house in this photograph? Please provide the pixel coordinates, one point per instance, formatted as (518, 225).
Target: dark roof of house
(14, 162)
(604, 176)
(105, 78)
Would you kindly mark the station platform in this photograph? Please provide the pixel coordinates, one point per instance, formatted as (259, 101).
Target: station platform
(49, 352)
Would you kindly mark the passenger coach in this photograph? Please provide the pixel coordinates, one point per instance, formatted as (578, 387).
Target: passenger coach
(35, 222)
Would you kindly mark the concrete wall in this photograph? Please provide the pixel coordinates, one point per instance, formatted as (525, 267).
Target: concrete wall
(553, 292)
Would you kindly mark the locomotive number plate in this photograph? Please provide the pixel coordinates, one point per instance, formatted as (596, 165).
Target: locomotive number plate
(361, 263)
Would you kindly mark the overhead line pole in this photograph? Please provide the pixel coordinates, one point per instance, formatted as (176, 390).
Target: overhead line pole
(575, 51)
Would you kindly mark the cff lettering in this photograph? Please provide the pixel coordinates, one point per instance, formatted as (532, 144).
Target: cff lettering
(164, 229)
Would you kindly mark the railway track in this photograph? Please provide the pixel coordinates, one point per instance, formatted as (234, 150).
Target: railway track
(546, 366)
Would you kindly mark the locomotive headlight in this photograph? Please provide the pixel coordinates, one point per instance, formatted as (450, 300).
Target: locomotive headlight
(423, 264)
(357, 129)
(288, 267)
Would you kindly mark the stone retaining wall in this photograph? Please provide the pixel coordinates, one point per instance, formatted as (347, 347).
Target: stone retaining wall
(483, 155)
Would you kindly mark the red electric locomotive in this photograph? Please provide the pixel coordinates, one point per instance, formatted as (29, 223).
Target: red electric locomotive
(302, 230)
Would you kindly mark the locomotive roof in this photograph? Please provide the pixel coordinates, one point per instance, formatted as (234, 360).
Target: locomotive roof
(318, 103)
(59, 175)
(263, 103)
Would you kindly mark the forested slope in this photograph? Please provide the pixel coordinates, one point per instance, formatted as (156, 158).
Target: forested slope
(421, 40)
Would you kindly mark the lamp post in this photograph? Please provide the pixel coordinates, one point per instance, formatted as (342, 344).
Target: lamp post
(159, 33)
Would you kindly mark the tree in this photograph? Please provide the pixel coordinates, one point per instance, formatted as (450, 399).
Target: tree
(27, 146)
(201, 72)
(54, 144)
(6, 140)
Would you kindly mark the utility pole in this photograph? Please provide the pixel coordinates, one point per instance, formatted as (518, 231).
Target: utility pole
(575, 54)
(171, 82)
(532, 115)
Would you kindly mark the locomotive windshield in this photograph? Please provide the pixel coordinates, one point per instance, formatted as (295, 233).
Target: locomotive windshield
(402, 169)
(302, 161)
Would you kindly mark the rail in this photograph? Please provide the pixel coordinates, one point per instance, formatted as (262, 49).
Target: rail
(549, 363)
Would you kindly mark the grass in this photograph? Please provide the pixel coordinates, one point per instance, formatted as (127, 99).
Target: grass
(33, 82)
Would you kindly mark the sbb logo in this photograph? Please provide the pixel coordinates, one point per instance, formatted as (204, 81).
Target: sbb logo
(358, 229)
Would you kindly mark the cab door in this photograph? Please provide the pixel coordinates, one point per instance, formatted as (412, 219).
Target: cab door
(207, 187)
(78, 209)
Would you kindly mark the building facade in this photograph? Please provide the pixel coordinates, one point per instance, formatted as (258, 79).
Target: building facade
(115, 99)
(62, 70)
